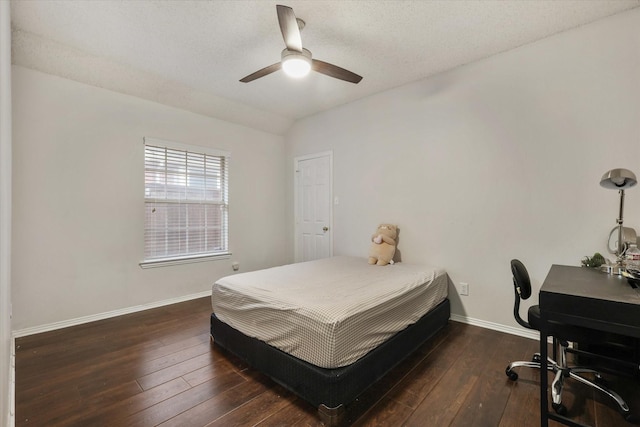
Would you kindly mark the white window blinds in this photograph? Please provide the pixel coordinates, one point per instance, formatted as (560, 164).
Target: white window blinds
(186, 201)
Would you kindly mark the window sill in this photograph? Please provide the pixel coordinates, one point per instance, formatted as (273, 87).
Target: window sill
(164, 262)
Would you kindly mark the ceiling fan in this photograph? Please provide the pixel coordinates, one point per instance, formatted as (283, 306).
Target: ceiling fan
(297, 61)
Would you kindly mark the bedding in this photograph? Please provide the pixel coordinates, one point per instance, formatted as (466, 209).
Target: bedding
(329, 312)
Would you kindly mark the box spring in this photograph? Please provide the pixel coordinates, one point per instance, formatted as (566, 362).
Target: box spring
(330, 389)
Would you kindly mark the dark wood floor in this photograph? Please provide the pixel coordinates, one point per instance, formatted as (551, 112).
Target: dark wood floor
(158, 367)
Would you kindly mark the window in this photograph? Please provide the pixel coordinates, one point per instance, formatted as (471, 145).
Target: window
(186, 203)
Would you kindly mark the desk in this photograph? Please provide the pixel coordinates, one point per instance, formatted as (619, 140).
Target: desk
(589, 298)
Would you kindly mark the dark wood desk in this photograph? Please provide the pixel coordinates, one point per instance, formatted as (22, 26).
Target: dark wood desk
(589, 298)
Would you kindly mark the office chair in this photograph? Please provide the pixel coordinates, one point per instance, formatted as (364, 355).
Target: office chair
(561, 334)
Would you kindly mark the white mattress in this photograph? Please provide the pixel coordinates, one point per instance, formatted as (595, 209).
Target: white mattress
(328, 312)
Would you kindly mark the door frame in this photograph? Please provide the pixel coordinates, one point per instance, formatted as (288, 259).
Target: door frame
(296, 201)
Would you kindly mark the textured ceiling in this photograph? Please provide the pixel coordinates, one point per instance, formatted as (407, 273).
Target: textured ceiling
(191, 54)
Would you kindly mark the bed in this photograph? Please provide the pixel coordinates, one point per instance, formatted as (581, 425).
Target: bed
(330, 328)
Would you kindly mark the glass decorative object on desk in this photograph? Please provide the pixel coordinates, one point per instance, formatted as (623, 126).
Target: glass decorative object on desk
(632, 258)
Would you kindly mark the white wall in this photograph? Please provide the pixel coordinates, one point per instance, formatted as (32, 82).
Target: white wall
(78, 204)
(6, 385)
(495, 160)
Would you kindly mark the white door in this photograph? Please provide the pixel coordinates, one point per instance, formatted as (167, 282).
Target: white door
(313, 234)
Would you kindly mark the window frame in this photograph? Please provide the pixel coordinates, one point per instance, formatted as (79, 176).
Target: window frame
(225, 253)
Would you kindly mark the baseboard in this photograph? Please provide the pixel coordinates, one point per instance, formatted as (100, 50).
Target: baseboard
(105, 315)
(526, 333)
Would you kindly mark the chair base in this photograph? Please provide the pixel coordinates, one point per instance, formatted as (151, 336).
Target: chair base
(562, 371)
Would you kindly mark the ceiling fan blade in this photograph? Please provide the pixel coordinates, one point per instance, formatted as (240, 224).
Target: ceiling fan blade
(335, 71)
(289, 28)
(261, 73)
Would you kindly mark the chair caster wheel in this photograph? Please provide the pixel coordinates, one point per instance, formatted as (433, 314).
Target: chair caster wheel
(536, 358)
(633, 419)
(511, 374)
(559, 408)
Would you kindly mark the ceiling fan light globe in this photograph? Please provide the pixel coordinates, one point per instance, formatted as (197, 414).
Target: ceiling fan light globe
(296, 64)
(296, 67)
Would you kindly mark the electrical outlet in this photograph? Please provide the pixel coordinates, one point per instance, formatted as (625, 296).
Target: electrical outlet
(464, 288)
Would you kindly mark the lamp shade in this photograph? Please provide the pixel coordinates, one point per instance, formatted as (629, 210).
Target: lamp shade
(618, 179)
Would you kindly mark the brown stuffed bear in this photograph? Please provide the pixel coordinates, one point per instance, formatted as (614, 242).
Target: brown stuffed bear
(384, 245)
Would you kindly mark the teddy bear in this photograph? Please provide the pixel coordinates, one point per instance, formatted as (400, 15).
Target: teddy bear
(384, 245)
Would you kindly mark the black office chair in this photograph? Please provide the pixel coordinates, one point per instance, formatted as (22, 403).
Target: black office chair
(561, 334)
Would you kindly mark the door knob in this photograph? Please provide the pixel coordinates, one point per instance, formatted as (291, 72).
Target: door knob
(325, 229)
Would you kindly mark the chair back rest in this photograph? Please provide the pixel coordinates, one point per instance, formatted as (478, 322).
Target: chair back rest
(521, 279)
(522, 288)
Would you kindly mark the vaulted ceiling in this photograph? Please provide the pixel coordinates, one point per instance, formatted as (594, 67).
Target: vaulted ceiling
(191, 54)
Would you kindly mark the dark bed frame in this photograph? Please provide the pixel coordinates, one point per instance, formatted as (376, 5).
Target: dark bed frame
(330, 390)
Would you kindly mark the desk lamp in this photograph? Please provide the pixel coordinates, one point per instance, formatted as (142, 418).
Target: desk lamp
(619, 179)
